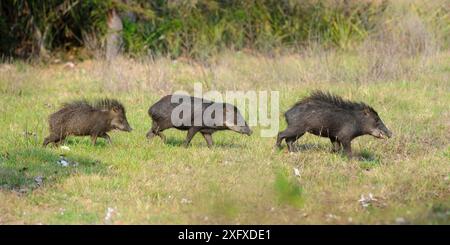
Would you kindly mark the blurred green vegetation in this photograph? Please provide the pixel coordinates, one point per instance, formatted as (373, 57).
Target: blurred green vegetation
(288, 189)
(200, 28)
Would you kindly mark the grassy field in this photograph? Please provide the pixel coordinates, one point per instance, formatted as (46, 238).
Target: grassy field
(241, 180)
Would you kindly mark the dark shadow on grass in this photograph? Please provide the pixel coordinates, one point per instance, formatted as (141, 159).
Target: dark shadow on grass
(368, 159)
(364, 156)
(101, 143)
(310, 147)
(178, 142)
(173, 141)
(439, 213)
(227, 145)
(27, 169)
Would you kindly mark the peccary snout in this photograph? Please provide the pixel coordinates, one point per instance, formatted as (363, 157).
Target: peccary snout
(120, 122)
(241, 129)
(381, 132)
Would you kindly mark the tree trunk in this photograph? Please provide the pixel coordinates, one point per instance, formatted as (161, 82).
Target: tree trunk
(39, 39)
(114, 35)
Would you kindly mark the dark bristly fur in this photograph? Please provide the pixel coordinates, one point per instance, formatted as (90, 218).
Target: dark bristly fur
(108, 104)
(327, 115)
(334, 100)
(82, 118)
(103, 104)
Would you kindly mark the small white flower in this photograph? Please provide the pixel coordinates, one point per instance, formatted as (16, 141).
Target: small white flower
(109, 214)
(296, 172)
(186, 201)
(367, 201)
(332, 217)
(69, 65)
(63, 162)
(400, 220)
(66, 148)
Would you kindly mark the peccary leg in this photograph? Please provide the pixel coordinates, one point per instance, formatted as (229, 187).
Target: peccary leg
(290, 143)
(279, 140)
(347, 148)
(106, 136)
(57, 142)
(191, 132)
(150, 134)
(52, 139)
(208, 138)
(291, 135)
(336, 144)
(162, 136)
(282, 135)
(155, 130)
(46, 141)
(94, 139)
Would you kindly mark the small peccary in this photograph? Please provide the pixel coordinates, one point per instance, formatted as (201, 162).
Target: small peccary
(194, 115)
(327, 115)
(81, 118)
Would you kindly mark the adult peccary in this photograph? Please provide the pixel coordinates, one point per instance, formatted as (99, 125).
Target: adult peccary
(194, 115)
(327, 115)
(81, 118)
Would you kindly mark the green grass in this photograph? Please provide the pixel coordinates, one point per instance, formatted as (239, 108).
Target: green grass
(241, 180)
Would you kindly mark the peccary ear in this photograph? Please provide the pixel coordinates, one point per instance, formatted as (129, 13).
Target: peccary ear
(366, 111)
(116, 110)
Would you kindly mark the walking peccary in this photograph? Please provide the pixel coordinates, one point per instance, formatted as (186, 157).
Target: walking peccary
(327, 115)
(194, 115)
(81, 118)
